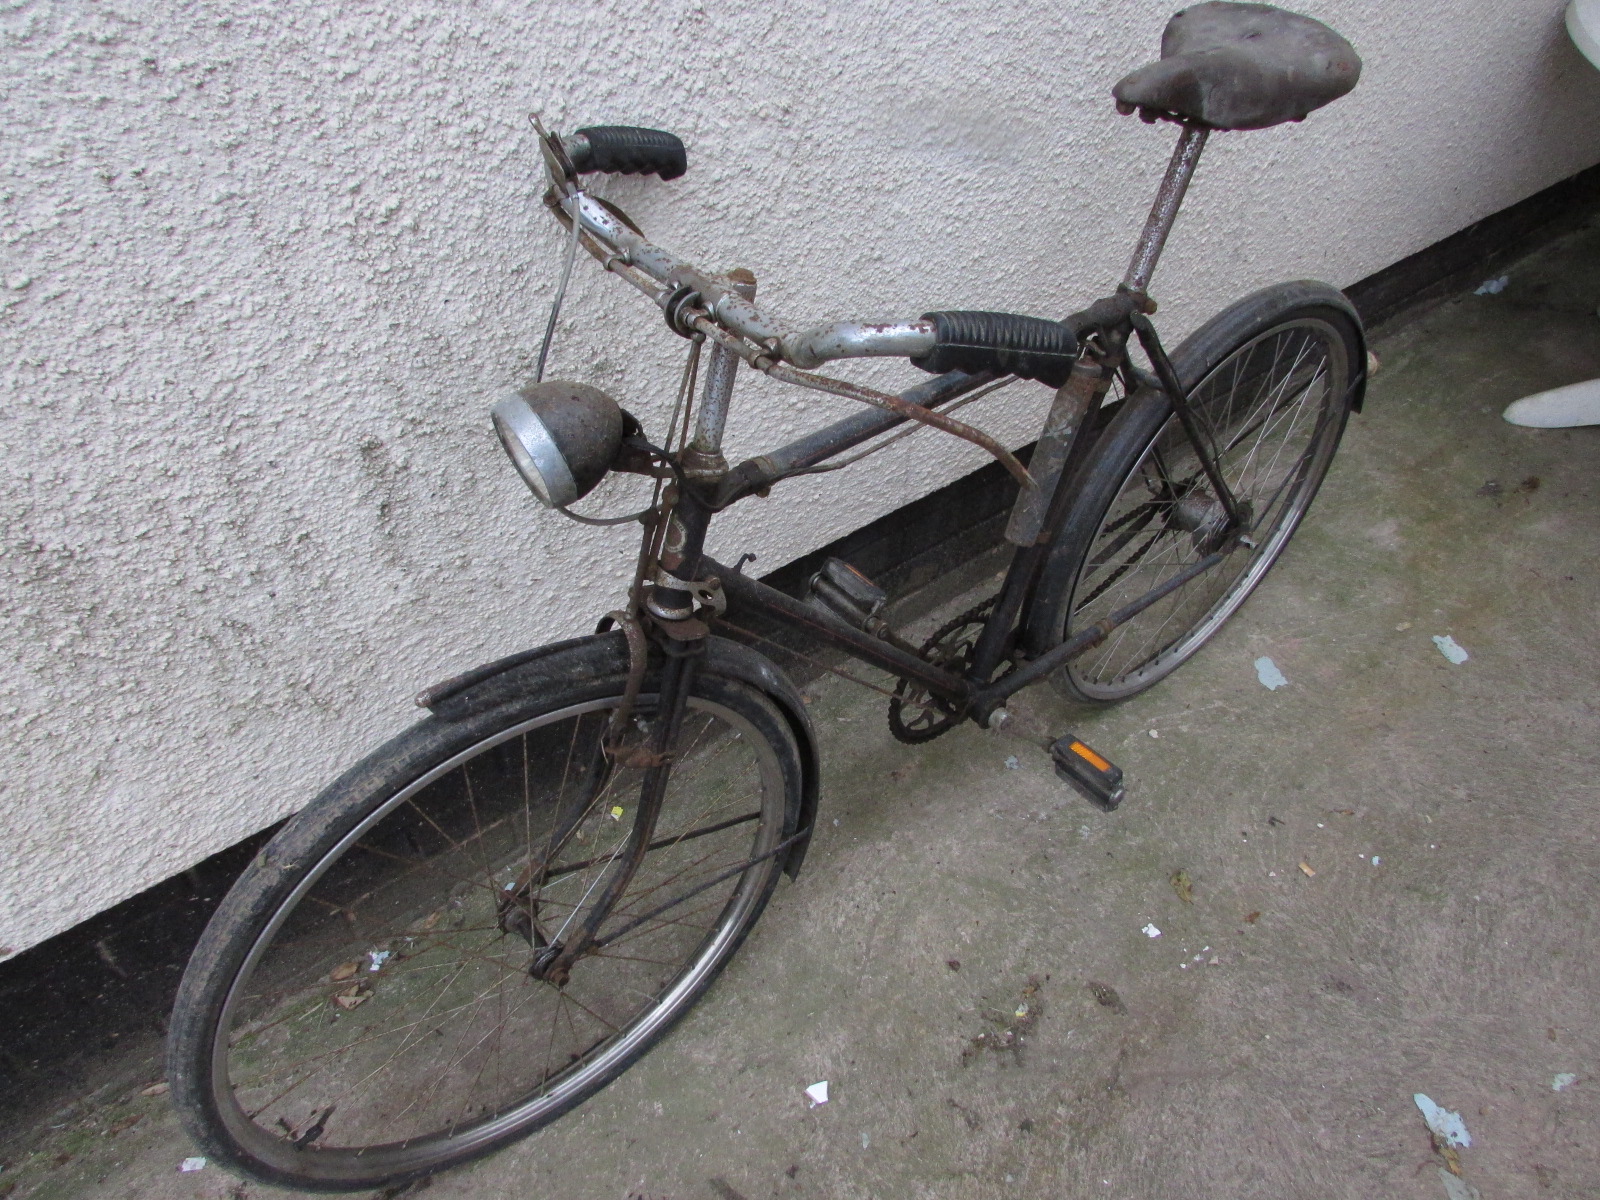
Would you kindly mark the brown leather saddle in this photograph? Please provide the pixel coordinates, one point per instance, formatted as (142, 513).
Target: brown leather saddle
(1241, 66)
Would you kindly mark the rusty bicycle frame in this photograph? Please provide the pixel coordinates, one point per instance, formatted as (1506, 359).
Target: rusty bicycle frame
(680, 593)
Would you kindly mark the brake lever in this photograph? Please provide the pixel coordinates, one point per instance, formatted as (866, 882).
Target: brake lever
(557, 164)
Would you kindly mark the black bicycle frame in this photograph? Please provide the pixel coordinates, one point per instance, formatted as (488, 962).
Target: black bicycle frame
(1075, 423)
(975, 693)
(680, 593)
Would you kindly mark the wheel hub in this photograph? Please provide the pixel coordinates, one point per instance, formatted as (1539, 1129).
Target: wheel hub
(546, 965)
(517, 918)
(1205, 519)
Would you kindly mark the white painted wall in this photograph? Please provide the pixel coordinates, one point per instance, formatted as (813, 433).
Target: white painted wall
(267, 264)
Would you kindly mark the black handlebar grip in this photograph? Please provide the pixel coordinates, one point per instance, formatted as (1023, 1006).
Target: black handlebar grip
(1001, 343)
(627, 150)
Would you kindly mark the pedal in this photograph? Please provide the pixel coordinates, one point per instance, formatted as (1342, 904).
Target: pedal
(845, 592)
(1097, 777)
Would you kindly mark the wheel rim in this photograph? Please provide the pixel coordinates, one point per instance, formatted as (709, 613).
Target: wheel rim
(387, 1002)
(1272, 411)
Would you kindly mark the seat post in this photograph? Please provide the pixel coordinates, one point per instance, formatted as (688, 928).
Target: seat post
(1164, 211)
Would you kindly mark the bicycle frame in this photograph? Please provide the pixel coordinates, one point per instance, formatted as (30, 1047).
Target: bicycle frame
(1074, 422)
(680, 593)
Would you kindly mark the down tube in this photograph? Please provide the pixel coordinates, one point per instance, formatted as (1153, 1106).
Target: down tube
(754, 595)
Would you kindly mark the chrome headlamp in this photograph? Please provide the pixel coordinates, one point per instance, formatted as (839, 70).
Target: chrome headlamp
(561, 437)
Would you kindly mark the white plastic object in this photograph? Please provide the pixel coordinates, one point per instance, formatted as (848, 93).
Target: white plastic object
(1559, 408)
(1583, 23)
(1578, 403)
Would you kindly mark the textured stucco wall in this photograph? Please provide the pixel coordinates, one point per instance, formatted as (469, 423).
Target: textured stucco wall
(266, 265)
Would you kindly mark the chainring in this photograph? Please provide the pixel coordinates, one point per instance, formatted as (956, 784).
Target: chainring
(917, 716)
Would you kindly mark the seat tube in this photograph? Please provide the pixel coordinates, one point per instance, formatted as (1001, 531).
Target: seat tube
(704, 457)
(1185, 157)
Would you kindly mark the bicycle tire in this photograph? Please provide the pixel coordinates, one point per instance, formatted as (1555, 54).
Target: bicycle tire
(370, 916)
(1143, 510)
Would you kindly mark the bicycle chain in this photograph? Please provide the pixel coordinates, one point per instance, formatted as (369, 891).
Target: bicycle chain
(931, 715)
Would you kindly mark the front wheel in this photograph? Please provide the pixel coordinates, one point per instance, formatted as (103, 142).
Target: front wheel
(365, 1008)
(1271, 381)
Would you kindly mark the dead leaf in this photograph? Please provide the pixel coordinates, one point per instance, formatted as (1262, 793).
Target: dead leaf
(125, 1123)
(344, 971)
(1106, 996)
(427, 924)
(1452, 1158)
(156, 1089)
(1183, 885)
(351, 996)
(1252, 918)
(1308, 871)
(1011, 1029)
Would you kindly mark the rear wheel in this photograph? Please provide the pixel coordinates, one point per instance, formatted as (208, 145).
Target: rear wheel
(1271, 382)
(364, 1008)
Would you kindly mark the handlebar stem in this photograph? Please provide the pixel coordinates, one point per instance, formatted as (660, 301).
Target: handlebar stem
(712, 415)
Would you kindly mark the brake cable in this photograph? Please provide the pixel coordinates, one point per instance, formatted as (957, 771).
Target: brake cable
(561, 294)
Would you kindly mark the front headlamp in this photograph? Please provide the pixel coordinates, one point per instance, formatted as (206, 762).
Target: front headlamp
(561, 437)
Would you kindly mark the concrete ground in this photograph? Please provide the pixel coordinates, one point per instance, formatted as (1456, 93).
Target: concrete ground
(1375, 881)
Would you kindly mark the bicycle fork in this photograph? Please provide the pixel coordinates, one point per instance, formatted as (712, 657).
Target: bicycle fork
(664, 598)
(553, 963)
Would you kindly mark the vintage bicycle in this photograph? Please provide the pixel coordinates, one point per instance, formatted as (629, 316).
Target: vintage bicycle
(493, 915)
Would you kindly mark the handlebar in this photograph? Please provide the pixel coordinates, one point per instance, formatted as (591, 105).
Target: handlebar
(627, 150)
(998, 343)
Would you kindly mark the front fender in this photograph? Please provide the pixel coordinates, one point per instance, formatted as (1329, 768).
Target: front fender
(602, 654)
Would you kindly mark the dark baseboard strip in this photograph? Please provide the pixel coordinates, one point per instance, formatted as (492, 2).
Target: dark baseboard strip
(72, 997)
(1465, 259)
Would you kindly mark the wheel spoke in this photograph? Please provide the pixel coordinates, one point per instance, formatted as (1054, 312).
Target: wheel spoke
(1268, 414)
(450, 1030)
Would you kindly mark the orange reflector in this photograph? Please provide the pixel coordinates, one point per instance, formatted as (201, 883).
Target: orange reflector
(1089, 756)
